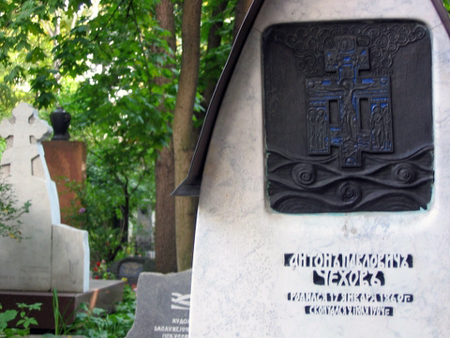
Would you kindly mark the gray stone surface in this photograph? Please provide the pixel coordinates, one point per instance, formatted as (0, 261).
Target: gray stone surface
(131, 267)
(70, 259)
(163, 303)
(38, 263)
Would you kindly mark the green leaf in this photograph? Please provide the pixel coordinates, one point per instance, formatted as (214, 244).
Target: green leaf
(6, 317)
(36, 306)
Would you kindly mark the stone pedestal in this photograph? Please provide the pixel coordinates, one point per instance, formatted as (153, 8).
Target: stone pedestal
(66, 161)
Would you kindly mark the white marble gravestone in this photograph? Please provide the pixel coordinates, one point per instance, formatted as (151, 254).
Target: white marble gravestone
(51, 255)
(262, 273)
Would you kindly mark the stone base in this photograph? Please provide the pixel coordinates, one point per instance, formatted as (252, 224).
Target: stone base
(102, 294)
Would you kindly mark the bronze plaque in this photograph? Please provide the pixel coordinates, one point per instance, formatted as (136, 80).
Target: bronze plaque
(348, 116)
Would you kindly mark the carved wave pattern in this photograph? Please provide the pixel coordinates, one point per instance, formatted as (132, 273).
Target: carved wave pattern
(384, 40)
(303, 185)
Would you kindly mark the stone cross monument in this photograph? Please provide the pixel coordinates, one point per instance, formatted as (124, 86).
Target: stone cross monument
(25, 129)
(52, 255)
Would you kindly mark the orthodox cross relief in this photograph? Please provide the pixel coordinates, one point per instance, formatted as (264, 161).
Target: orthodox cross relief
(25, 128)
(348, 116)
(348, 89)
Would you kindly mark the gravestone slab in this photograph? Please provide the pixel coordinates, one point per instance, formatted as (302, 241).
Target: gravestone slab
(131, 271)
(51, 254)
(131, 267)
(162, 306)
(324, 193)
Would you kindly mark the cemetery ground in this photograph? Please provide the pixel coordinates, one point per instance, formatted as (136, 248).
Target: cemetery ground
(45, 279)
(89, 322)
(51, 281)
(305, 217)
(28, 271)
(125, 107)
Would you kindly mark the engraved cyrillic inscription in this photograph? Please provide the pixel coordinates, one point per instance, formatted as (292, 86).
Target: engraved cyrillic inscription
(357, 281)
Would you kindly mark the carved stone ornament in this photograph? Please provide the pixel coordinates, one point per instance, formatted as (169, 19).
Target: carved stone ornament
(348, 116)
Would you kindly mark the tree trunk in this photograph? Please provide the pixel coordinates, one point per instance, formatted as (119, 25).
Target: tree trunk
(214, 40)
(185, 207)
(241, 10)
(165, 244)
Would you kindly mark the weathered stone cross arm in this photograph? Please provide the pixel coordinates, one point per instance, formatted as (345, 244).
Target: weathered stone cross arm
(26, 129)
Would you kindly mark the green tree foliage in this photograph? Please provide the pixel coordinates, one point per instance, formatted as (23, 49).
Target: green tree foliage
(100, 64)
(446, 4)
(216, 40)
(101, 60)
(115, 108)
(25, 46)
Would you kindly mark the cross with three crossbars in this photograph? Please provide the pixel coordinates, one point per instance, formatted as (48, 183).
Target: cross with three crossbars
(349, 96)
